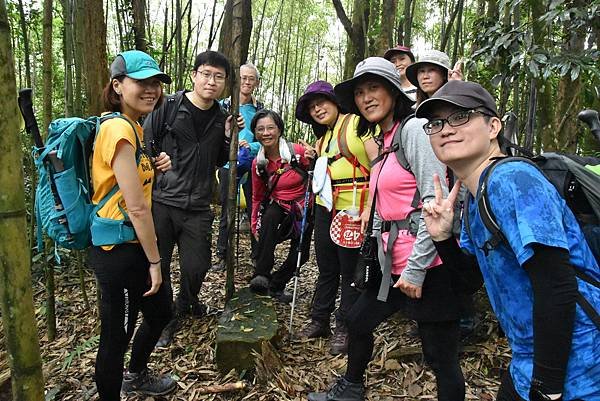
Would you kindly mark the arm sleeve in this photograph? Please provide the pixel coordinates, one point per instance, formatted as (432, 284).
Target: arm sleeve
(226, 144)
(554, 295)
(424, 164)
(258, 195)
(254, 148)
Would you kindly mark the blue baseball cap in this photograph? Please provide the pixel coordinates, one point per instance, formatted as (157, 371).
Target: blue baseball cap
(136, 64)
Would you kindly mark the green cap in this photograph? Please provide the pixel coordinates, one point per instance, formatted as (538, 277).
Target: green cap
(136, 64)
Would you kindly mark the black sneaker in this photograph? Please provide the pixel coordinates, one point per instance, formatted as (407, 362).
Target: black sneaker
(166, 337)
(147, 383)
(281, 296)
(219, 266)
(342, 390)
(260, 284)
(338, 344)
(198, 310)
(315, 330)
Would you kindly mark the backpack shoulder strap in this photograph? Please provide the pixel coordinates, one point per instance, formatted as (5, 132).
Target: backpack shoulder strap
(294, 163)
(138, 145)
(483, 204)
(399, 146)
(343, 140)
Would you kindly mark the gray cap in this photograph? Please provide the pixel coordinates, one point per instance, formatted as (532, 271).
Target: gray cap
(466, 95)
(434, 57)
(377, 66)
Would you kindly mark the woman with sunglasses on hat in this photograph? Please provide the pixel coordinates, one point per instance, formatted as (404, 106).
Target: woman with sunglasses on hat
(429, 74)
(279, 179)
(410, 263)
(128, 270)
(341, 183)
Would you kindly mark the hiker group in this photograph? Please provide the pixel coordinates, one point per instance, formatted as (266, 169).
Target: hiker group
(403, 149)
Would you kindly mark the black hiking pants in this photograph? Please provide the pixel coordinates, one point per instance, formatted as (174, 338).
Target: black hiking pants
(192, 232)
(334, 262)
(122, 275)
(223, 194)
(271, 218)
(440, 337)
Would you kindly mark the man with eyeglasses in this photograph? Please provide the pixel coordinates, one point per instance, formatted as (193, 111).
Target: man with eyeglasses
(249, 81)
(191, 127)
(530, 278)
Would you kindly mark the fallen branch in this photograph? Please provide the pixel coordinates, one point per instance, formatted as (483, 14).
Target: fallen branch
(222, 388)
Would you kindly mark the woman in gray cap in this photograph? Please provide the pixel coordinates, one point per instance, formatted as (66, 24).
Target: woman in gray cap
(421, 286)
(430, 72)
(346, 157)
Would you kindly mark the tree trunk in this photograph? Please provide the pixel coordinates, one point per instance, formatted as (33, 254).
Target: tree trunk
(357, 33)
(545, 98)
(119, 15)
(237, 55)
(47, 65)
(68, 54)
(448, 30)
(25, 35)
(388, 20)
(568, 100)
(139, 24)
(78, 106)
(258, 32)
(94, 63)
(16, 298)
(212, 33)
(227, 37)
(458, 31)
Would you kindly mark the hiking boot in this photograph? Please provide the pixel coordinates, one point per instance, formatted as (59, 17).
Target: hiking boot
(281, 296)
(147, 383)
(259, 284)
(315, 330)
(413, 331)
(467, 327)
(342, 390)
(339, 342)
(166, 337)
(219, 266)
(198, 310)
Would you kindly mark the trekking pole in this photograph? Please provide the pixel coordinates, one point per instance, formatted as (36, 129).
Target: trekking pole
(302, 229)
(237, 225)
(590, 117)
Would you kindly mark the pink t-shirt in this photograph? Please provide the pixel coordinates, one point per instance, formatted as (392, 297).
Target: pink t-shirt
(395, 191)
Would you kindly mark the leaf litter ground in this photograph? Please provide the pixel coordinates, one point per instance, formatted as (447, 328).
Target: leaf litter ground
(285, 372)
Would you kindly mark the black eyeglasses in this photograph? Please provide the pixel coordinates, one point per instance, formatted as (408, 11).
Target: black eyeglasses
(454, 120)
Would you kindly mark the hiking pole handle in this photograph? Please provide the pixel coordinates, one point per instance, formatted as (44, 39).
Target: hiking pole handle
(32, 128)
(31, 125)
(590, 118)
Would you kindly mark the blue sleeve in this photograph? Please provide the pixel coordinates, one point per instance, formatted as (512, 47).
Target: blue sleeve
(254, 148)
(527, 207)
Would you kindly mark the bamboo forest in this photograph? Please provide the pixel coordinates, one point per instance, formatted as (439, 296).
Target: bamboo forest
(229, 249)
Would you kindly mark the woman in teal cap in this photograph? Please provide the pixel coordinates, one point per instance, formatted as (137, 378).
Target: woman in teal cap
(127, 268)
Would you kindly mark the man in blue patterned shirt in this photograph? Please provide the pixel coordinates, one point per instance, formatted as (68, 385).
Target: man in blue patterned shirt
(530, 278)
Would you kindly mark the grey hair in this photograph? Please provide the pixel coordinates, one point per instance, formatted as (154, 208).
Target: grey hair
(253, 67)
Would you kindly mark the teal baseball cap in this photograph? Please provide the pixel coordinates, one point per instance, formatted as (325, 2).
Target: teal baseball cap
(136, 64)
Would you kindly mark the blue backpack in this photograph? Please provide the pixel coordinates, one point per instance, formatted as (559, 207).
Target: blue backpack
(64, 208)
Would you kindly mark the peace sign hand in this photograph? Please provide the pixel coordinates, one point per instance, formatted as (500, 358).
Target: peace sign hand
(439, 212)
